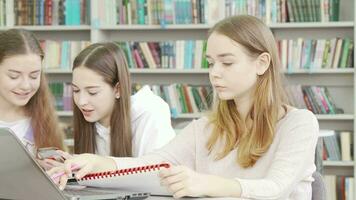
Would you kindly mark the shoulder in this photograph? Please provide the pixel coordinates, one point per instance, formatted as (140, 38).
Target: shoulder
(145, 101)
(200, 126)
(299, 116)
(301, 121)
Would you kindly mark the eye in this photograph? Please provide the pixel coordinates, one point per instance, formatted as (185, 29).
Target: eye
(13, 77)
(75, 90)
(227, 64)
(93, 93)
(34, 76)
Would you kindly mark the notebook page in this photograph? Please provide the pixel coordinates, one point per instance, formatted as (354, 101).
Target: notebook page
(142, 180)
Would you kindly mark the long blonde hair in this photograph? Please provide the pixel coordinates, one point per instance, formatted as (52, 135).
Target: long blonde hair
(269, 95)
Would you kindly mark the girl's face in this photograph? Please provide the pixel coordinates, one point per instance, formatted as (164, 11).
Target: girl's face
(20, 77)
(93, 96)
(232, 72)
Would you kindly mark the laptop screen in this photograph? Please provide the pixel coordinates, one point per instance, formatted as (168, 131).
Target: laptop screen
(20, 176)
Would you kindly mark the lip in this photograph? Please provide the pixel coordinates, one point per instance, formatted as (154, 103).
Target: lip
(23, 95)
(87, 112)
(219, 87)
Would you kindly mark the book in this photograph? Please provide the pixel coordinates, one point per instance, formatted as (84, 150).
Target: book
(142, 178)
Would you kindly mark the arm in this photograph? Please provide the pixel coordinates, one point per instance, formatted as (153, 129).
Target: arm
(294, 155)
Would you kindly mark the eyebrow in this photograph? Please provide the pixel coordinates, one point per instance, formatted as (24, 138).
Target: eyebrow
(89, 87)
(11, 70)
(221, 55)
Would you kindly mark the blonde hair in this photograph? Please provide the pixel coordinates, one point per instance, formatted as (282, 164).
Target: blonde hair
(269, 95)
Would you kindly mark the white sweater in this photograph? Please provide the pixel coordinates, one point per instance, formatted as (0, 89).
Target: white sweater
(22, 130)
(283, 172)
(150, 122)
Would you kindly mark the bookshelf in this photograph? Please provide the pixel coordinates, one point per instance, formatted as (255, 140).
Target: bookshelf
(340, 82)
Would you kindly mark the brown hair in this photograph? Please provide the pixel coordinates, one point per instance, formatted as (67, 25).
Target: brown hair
(269, 95)
(40, 108)
(108, 60)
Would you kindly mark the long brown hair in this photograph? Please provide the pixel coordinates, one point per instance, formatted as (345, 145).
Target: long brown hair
(269, 95)
(46, 131)
(108, 60)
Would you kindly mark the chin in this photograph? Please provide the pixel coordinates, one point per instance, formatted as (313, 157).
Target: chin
(225, 97)
(20, 103)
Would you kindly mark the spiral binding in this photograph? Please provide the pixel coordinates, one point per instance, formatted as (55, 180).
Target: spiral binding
(123, 172)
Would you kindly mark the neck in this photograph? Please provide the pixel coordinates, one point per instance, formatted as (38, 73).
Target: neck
(243, 105)
(10, 113)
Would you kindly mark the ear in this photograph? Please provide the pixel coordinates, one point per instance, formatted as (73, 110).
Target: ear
(117, 90)
(263, 62)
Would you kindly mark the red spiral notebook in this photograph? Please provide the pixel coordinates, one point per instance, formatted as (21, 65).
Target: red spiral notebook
(138, 179)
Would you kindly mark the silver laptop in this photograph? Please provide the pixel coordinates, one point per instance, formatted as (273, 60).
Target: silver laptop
(22, 178)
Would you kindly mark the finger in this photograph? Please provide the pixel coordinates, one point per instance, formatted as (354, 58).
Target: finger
(84, 171)
(176, 187)
(55, 170)
(179, 194)
(171, 171)
(52, 163)
(174, 179)
(65, 155)
(63, 182)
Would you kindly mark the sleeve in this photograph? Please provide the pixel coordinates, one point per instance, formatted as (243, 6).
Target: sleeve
(293, 162)
(179, 151)
(153, 129)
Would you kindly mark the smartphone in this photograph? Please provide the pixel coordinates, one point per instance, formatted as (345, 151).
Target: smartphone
(50, 153)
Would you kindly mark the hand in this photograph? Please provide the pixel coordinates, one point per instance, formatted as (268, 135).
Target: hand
(48, 164)
(182, 181)
(87, 163)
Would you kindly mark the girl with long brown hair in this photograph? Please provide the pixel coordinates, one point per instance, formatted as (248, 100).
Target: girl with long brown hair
(253, 145)
(25, 100)
(107, 119)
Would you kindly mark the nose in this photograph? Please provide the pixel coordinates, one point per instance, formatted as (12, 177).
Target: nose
(82, 99)
(215, 71)
(25, 84)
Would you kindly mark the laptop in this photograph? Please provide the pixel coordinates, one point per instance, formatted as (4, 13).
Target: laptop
(21, 177)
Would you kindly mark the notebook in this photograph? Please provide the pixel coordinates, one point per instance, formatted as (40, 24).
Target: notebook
(143, 178)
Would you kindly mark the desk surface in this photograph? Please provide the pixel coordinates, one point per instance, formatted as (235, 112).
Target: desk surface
(170, 198)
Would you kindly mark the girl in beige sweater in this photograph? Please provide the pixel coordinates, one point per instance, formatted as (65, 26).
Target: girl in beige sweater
(252, 145)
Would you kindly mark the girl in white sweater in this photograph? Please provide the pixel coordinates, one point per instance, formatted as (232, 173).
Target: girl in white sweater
(253, 145)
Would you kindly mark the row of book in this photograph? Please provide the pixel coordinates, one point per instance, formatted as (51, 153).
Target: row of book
(315, 98)
(336, 145)
(61, 54)
(183, 98)
(181, 54)
(304, 10)
(161, 12)
(44, 12)
(339, 187)
(164, 12)
(316, 53)
(62, 93)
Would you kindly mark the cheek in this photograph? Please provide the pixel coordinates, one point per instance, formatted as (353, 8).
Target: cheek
(36, 84)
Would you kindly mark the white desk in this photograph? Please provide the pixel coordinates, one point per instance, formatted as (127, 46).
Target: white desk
(170, 198)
